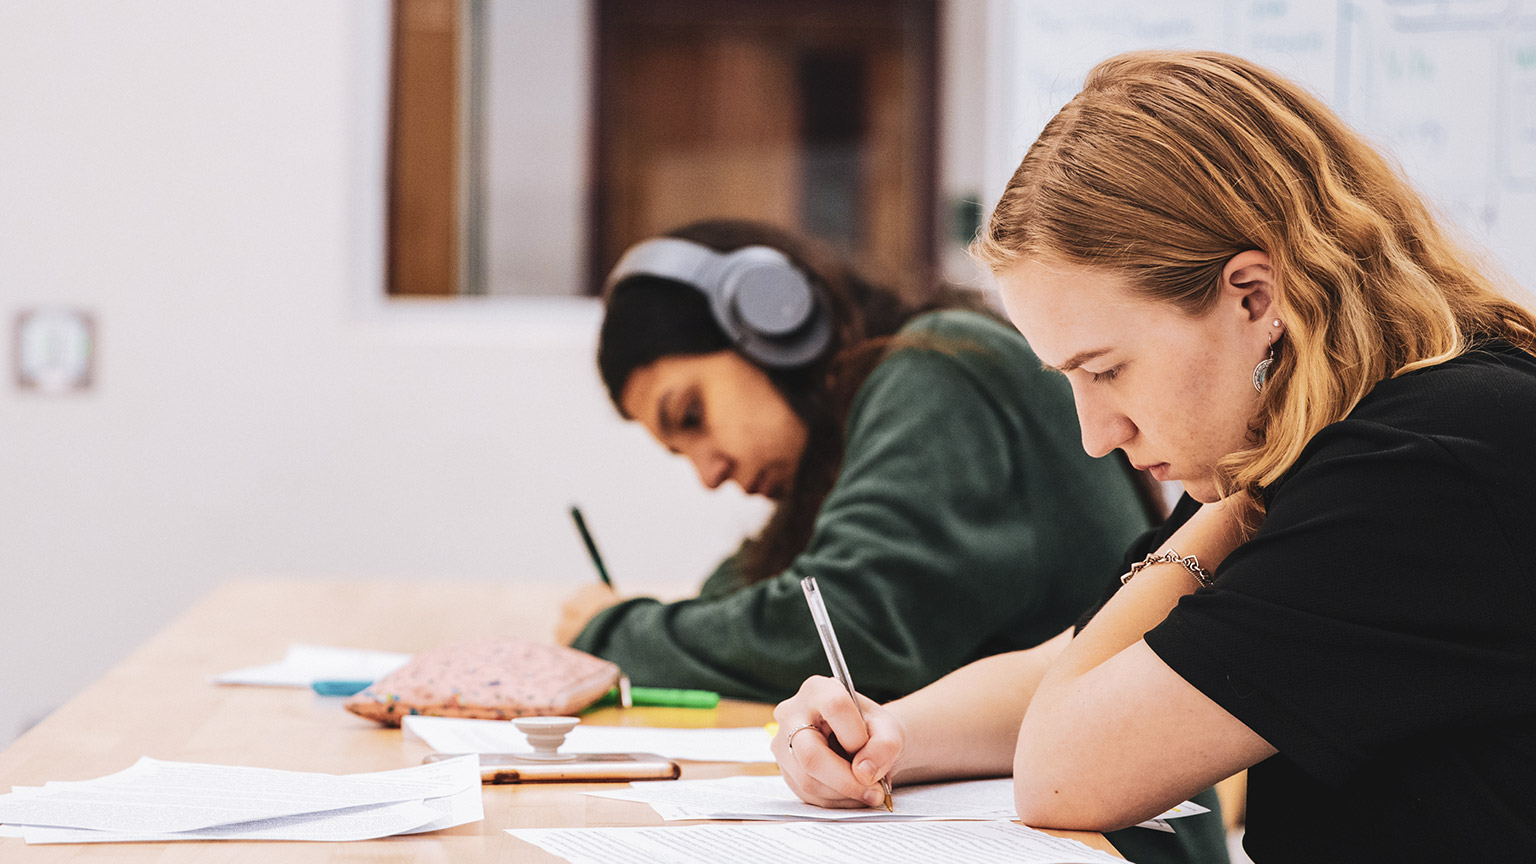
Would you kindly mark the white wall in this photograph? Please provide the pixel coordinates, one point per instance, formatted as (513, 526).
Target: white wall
(203, 177)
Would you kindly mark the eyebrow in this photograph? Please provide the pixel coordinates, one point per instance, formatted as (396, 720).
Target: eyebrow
(1077, 360)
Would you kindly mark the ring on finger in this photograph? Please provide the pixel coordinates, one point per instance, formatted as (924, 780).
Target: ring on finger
(790, 738)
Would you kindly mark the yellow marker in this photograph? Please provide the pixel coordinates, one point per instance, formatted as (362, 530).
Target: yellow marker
(773, 729)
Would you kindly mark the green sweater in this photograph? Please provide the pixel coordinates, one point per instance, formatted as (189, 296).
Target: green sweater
(966, 521)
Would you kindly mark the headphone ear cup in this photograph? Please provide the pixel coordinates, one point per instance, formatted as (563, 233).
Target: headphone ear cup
(777, 316)
(769, 299)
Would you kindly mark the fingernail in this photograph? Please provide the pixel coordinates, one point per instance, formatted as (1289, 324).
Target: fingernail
(874, 798)
(865, 772)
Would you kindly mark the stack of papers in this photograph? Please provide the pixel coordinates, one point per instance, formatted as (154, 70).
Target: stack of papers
(304, 664)
(769, 798)
(163, 801)
(459, 735)
(888, 843)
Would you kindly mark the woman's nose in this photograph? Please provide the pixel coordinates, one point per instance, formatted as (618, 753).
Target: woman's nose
(1102, 429)
(713, 468)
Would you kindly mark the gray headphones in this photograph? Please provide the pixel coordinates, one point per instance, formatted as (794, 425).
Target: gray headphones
(763, 302)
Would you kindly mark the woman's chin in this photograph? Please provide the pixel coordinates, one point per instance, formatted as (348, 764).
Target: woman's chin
(1204, 491)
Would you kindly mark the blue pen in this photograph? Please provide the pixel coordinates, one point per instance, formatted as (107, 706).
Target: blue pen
(338, 686)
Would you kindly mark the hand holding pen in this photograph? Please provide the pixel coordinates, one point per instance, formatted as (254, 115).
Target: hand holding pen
(586, 602)
(819, 773)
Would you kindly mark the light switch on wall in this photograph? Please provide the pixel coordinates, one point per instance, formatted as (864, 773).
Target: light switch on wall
(55, 350)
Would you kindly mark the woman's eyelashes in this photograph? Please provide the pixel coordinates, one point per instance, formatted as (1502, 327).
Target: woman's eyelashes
(679, 413)
(1109, 374)
(692, 417)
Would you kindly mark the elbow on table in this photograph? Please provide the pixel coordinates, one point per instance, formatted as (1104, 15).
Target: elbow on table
(1071, 805)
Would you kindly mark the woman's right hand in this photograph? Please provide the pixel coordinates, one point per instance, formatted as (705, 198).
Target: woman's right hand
(580, 608)
(811, 766)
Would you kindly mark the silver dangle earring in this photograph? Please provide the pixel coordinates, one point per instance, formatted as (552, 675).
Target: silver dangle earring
(1261, 371)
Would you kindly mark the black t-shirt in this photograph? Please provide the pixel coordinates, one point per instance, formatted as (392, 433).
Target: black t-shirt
(1379, 630)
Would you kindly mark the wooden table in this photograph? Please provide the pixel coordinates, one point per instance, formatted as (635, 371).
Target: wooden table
(158, 702)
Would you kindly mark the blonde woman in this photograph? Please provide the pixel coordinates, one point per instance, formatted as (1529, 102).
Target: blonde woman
(1248, 299)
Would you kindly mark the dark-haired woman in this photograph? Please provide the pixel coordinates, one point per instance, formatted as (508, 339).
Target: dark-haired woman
(927, 471)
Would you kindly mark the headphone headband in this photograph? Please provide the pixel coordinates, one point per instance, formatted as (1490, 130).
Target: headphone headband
(763, 302)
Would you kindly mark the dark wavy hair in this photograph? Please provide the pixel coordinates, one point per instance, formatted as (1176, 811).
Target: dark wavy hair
(648, 318)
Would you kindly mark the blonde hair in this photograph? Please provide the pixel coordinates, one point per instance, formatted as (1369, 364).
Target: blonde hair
(1168, 164)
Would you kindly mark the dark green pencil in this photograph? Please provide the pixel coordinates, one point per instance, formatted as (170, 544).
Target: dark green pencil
(586, 537)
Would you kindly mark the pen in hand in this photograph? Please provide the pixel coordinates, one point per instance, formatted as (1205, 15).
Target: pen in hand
(586, 537)
(835, 659)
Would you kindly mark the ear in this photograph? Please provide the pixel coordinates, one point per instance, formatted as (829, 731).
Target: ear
(1249, 280)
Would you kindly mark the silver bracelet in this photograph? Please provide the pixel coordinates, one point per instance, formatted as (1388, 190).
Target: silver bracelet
(1189, 562)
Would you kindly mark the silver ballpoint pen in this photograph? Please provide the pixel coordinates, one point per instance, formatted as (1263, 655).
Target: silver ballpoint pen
(835, 659)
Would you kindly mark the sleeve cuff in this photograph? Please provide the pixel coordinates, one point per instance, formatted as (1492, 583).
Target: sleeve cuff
(594, 637)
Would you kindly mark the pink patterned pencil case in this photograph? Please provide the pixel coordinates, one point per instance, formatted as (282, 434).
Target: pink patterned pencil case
(492, 679)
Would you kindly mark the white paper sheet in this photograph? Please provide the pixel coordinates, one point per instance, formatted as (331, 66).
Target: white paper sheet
(1161, 823)
(152, 799)
(771, 798)
(356, 823)
(460, 808)
(306, 663)
(458, 735)
(361, 823)
(1188, 808)
(887, 843)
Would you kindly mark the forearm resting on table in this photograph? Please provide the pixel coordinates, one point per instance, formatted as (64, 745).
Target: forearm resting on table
(1113, 736)
(966, 723)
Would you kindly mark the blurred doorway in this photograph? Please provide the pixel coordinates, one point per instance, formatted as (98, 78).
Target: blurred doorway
(530, 142)
(814, 114)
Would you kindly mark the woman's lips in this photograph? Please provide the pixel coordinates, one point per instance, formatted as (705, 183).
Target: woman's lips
(1156, 469)
(767, 485)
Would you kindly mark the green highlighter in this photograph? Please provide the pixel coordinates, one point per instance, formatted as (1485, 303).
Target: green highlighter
(665, 697)
(657, 697)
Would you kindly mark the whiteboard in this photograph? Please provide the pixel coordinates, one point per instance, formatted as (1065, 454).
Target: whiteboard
(1446, 87)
